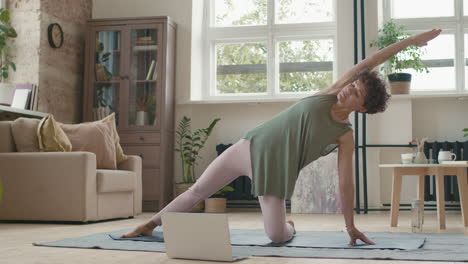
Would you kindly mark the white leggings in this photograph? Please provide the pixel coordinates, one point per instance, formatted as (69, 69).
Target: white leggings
(232, 163)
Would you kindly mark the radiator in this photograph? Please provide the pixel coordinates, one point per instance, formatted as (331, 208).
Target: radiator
(431, 150)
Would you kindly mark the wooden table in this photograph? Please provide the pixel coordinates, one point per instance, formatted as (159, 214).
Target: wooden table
(438, 170)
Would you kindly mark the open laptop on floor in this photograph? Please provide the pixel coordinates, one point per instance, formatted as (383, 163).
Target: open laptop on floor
(197, 236)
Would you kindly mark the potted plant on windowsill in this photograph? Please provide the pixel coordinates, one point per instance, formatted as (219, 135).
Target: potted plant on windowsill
(217, 202)
(7, 32)
(189, 145)
(410, 58)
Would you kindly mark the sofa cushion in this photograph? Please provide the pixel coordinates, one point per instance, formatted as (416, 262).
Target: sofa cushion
(6, 143)
(25, 134)
(95, 137)
(120, 156)
(115, 181)
(51, 137)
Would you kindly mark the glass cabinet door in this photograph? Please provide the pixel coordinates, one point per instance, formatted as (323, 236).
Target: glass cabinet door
(144, 91)
(106, 74)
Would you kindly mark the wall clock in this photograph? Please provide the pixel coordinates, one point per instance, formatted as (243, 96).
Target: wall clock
(55, 35)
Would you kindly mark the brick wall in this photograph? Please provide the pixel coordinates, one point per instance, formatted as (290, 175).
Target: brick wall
(58, 72)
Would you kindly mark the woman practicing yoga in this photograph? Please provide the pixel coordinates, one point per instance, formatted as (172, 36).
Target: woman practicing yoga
(273, 153)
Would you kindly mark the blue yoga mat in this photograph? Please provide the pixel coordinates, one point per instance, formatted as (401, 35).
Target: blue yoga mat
(306, 239)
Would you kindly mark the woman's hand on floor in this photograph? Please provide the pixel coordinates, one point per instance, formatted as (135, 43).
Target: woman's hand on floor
(355, 234)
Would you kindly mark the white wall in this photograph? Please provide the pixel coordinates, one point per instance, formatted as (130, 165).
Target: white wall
(437, 118)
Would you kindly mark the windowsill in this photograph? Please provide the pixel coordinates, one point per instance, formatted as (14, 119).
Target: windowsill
(295, 99)
(241, 101)
(429, 95)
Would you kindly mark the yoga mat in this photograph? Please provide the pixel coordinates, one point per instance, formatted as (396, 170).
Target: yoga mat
(437, 247)
(307, 239)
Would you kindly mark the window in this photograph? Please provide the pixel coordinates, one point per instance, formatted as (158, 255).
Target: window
(269, 48)
(445, 55)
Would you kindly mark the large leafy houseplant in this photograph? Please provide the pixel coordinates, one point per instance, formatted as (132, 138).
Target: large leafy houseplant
(7, 32)
(409, 58)
(189, 145)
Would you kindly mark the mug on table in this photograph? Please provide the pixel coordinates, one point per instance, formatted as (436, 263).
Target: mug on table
(446, 155)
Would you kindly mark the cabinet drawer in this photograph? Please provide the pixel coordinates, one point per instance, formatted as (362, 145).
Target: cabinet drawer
(150, 181)
(140, 138)
(149, 155)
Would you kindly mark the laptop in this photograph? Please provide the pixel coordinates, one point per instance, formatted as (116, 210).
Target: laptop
(198, 236)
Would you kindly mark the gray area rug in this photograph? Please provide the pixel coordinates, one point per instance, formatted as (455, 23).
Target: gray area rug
(435, 247)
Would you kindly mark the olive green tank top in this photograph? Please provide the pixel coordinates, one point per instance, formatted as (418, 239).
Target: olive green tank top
(292, 139)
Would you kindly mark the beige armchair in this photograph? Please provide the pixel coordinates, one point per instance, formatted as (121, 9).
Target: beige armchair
(65, 186)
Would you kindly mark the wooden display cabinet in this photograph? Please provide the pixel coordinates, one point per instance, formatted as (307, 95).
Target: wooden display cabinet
(129, 71)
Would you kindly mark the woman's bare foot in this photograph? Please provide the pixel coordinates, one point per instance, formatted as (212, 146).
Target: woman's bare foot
(292, 224)
(145, 229)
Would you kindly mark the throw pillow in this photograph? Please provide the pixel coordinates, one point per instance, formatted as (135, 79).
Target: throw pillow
(95, 137)
(51, 137)
(119, 151)
(24, 132)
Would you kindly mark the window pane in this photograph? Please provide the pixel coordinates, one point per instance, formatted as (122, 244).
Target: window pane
(440, 52)
(465, 7)
(303, 11)
(241, 68)
(235, 12)
(422, 8)
(305, 65)
(466, 64)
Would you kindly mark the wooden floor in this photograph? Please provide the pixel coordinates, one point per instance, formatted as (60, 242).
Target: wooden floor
(16, 238)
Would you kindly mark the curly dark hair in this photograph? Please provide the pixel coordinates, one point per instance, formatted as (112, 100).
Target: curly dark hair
(377, 96)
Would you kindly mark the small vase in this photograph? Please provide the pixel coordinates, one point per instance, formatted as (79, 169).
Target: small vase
(141, 118)
(420, 158)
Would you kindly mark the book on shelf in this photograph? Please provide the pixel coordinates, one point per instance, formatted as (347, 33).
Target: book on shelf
(31, 103)
(155, 72)
(145, 38)
(33, 95)
(36, 98)
(454, 162)
(21, 98)
(145, 47)
(145, 42)
(150, 70)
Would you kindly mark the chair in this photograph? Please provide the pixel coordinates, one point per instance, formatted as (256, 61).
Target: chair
(65, 186)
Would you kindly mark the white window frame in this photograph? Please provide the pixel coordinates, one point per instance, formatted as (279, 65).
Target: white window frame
(271, 34)
(456, 25)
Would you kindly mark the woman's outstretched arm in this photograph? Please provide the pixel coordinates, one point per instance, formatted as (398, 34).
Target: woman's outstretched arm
(380, 57)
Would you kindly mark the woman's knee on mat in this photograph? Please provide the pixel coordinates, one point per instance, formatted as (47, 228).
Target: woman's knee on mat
(279, 236)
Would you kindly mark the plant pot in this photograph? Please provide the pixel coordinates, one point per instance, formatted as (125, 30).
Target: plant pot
(181, 188)
(399, 83)
(215, 205)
